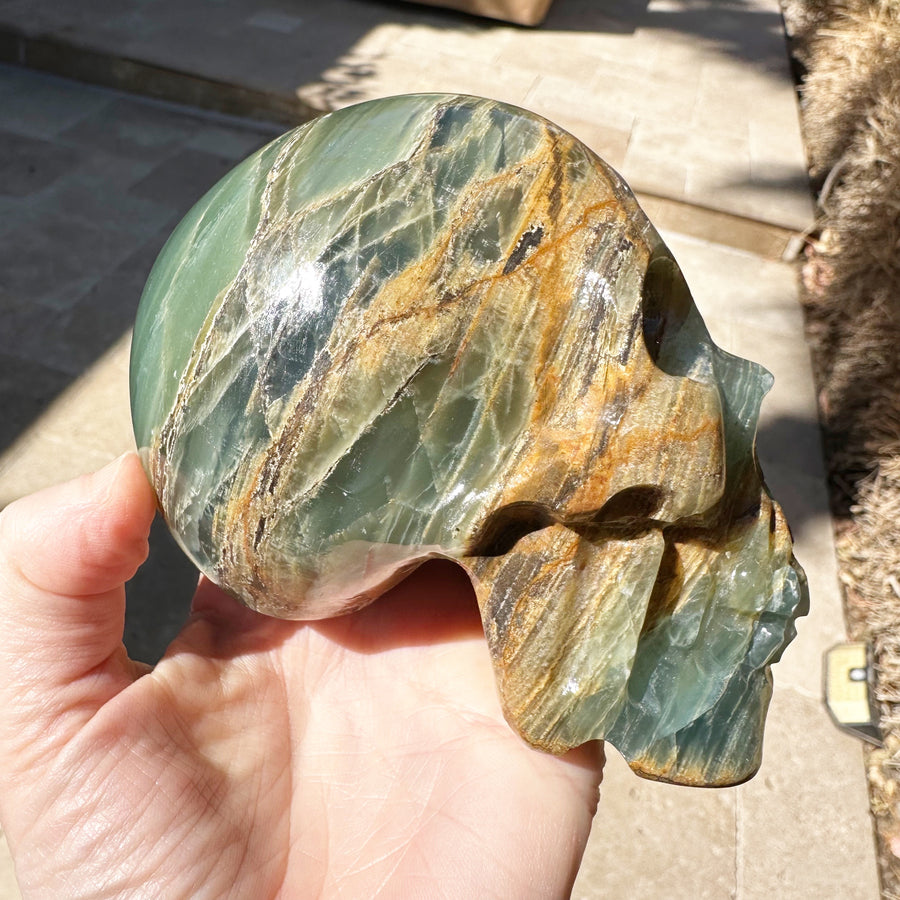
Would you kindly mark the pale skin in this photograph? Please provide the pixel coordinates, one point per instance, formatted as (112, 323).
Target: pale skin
(360, 757)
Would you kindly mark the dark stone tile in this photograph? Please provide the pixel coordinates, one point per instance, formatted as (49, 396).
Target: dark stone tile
(40, 105)
(133, 129)
(10, 210)
(29, 332)
(52, 260)
(183, 179)
(75, 336)
(28, 165)
(89, 198)
(27, 388)
(10, 45)
(113, 173)
(107, 310)
(231, 142)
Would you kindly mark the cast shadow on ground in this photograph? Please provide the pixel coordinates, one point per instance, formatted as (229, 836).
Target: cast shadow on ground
(789, 449)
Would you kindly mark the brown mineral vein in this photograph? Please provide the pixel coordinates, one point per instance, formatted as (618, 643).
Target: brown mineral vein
(420, 275)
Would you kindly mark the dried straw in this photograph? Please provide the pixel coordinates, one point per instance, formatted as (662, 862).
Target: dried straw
(851, 281)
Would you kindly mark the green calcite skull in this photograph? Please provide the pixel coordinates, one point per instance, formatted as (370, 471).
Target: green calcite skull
(439, 326)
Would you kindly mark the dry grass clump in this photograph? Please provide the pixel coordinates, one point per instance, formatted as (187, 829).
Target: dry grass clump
(851, 121)
(852, 279)
(853, 61)
(870, 571)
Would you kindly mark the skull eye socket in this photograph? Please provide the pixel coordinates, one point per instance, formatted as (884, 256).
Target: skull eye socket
(666, 307)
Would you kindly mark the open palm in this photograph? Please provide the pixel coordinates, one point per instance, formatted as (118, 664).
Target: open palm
(359, 757)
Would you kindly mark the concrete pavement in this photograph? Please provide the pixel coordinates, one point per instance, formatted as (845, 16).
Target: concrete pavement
(691, 101)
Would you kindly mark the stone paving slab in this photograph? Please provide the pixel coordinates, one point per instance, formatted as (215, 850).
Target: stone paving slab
(689, 99)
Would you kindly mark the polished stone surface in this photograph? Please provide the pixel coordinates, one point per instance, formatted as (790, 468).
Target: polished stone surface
(434, 325)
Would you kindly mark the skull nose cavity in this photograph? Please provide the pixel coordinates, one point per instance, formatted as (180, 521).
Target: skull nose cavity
(631, 505)
(504, 527)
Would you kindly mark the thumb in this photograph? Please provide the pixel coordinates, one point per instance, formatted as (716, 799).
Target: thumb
(65, 554)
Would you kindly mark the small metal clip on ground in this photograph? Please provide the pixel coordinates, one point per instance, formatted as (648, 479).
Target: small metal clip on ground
(849, 690)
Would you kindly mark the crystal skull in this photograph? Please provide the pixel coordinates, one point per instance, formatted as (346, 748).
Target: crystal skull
(440, 326)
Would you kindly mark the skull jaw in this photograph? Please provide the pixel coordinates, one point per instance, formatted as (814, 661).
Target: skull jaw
(657, 642)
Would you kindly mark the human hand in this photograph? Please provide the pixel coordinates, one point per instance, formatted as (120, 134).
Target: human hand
(364, 756)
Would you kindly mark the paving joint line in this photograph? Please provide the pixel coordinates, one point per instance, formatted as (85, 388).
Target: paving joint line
(97, 67)
(765, 239)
